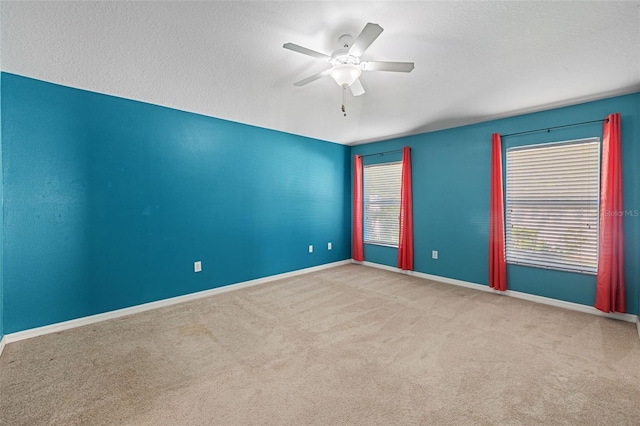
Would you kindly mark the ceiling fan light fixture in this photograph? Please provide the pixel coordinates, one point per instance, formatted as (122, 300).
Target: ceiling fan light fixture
(345, 74)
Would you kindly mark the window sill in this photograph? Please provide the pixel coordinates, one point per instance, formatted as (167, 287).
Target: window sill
(380, 244)
(553, 268)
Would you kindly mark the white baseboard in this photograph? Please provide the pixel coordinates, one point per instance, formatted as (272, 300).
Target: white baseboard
(3, 342)
(66, 325)
(517, 294)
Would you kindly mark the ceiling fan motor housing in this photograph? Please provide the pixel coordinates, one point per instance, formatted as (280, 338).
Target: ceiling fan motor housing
(342, 55)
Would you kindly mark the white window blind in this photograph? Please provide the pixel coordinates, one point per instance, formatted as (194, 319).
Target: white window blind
(552, 205)
(382, 203)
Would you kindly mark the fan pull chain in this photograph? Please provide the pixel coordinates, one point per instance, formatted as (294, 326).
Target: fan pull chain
(344, 101)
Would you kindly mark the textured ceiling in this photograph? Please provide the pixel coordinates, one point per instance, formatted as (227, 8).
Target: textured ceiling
(474, 60)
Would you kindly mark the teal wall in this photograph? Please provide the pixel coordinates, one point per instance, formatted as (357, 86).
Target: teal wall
(1, 226)
(451, 176)
(110, 201)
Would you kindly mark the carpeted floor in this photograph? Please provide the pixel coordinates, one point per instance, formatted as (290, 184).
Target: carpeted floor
(349, 345)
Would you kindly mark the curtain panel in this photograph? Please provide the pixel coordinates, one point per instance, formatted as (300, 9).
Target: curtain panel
(497, 258)
(357, 250)
(610, 287)
(405, 244)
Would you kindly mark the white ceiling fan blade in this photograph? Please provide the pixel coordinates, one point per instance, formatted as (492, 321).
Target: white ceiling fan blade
(388, 66)
(312, 78)
(306, 51)
(368, 35)
(356, 88)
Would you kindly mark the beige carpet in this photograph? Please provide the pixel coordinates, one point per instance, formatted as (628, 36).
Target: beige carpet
(345, 346)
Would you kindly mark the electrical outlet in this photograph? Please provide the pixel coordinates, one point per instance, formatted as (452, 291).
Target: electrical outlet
(310, 249)
(434, 254)
(329, 246)
(197, 266)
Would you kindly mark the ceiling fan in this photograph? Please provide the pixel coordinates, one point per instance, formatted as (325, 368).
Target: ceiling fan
(346, 66)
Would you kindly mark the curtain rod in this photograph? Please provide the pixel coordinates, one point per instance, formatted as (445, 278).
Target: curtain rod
(381, 153)
(548, 129)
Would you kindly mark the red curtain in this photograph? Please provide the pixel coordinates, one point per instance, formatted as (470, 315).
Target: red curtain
(356, 245)
(405, 246)
(610, 293)
(497, 261)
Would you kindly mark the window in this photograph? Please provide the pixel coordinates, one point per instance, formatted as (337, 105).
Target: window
(552, 205)
(382, 203)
